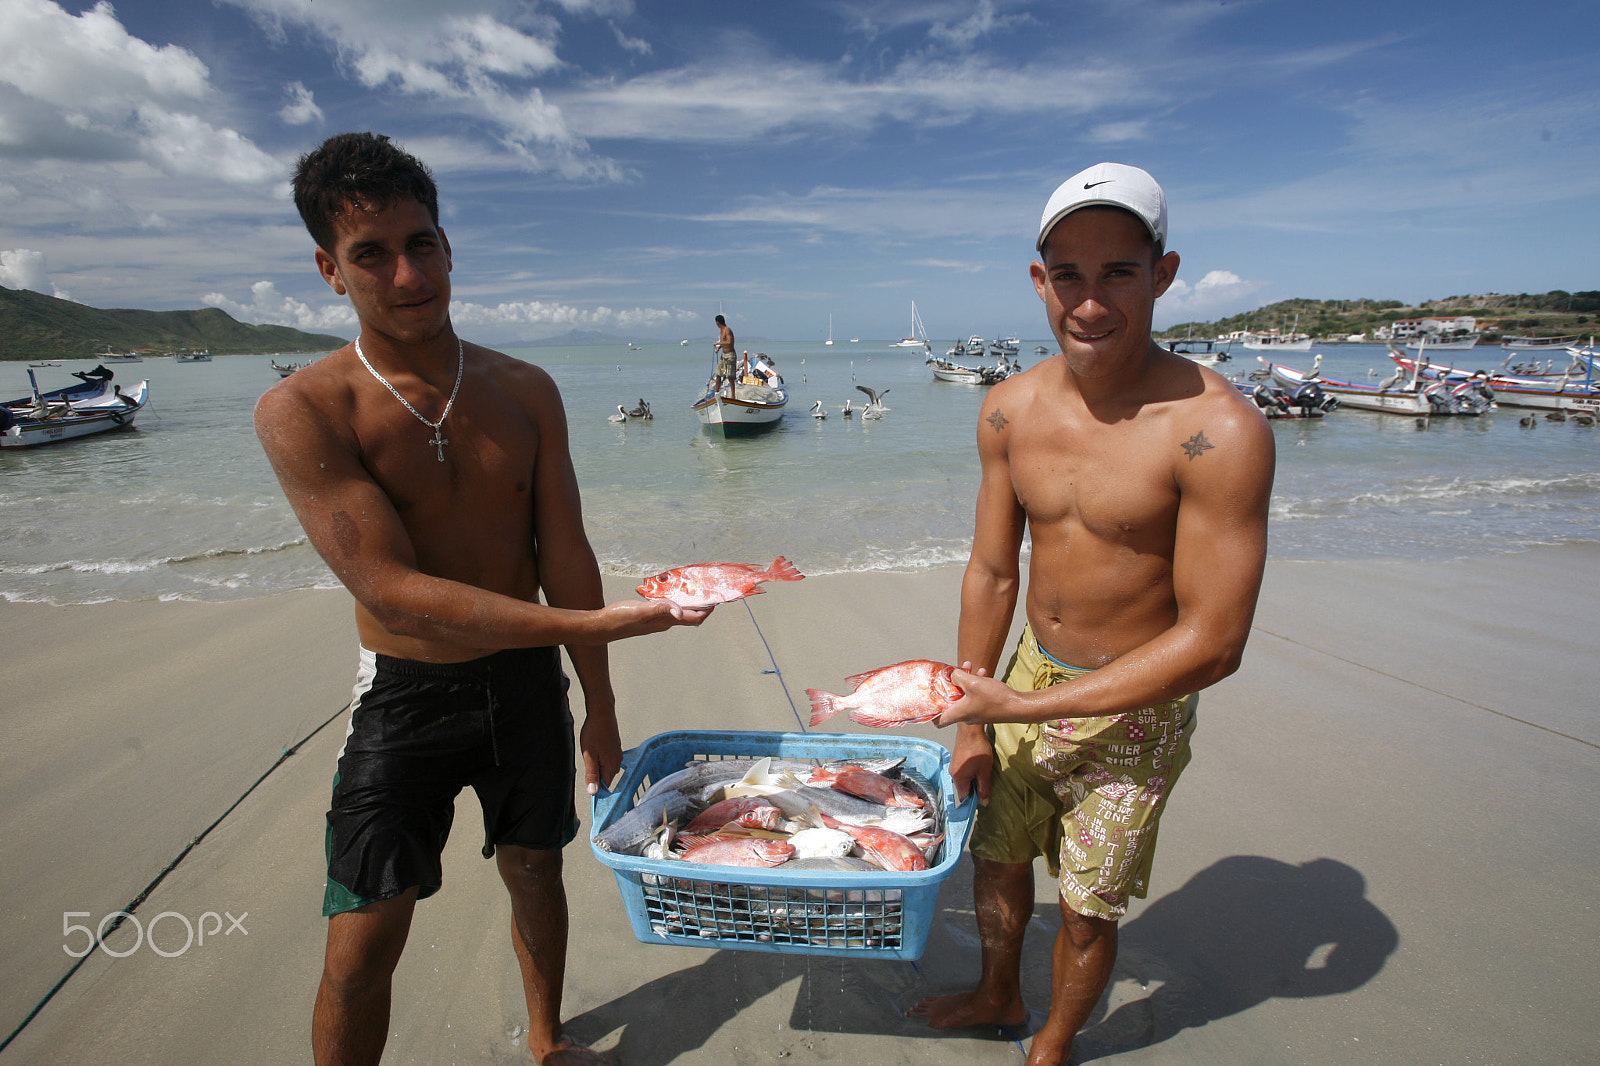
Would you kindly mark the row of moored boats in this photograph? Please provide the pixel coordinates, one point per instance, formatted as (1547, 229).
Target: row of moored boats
(1426, 387)
(963, 361)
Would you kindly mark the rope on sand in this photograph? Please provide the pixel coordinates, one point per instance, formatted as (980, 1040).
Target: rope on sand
(774, 669)
(133, 904)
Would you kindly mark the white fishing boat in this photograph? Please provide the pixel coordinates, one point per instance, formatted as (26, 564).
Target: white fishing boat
(1404, 393)
(1273, 341)
(753, 403)
(919, 335)
(956, 373)
(96, 406)
(1204, 352)
(1454, 342)
(961, 374)
(191, 355)
(829, 341)
(109, 356)
(1530, 343)
(1579, 390)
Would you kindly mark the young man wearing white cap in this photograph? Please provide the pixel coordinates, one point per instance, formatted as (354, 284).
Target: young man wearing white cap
(1143, 480)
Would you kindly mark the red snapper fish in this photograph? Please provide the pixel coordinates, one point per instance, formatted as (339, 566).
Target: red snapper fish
(916, 691)
(732, 810)
(708, 584)
(883, 846)
(740, 851)
(864, 784)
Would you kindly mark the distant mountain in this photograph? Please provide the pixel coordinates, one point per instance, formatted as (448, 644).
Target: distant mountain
(35, 326)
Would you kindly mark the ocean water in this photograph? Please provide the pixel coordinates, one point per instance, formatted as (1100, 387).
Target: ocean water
(184, 506)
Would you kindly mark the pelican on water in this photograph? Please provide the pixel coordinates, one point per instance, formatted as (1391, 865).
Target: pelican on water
(620, 416)
(817, 411)
(874, 399)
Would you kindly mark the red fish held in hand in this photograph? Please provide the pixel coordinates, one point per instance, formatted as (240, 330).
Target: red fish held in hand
(916, 691)
(708, 584)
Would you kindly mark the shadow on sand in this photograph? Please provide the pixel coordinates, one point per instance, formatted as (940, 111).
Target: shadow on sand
(1245, 930)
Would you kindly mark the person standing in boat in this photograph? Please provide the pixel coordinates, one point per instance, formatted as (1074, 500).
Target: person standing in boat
(1143, 479)
(462, 541)
(724, 350)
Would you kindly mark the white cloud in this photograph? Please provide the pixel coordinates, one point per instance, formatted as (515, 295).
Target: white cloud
(964, 34)
(1118, 132)
(301, 109)
(81, 87)
(631, 44)
(1218, 290)
(474, 57)
(746, 96)
(270, 307)
(538, 313)
(24, 268)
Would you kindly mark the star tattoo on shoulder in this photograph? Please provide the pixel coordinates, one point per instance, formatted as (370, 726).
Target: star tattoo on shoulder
(997, 420)
(1197, 444)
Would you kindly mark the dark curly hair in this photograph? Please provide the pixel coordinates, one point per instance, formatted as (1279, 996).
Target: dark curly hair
(360, 170)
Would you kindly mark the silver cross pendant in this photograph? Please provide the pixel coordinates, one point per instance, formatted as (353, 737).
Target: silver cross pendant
(439, 442)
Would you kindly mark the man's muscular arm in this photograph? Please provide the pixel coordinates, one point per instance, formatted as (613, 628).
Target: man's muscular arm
(356, 530)
(989, 586)
(570, 578)
(1223, 468)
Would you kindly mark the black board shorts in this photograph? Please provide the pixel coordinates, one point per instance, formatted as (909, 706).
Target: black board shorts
(419, 733)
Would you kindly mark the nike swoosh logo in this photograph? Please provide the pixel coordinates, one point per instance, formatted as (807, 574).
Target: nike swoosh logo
(1092, 184)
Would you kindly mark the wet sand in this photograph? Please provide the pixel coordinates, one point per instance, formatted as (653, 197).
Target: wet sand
(1383, 850)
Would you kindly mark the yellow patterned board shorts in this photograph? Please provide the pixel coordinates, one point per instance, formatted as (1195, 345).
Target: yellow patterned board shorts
(1086, 793)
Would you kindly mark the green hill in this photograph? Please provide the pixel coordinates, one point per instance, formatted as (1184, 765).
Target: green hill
(1548, 314)
(35, 326)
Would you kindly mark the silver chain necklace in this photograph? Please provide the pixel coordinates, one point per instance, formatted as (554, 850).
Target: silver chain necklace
(438, 440)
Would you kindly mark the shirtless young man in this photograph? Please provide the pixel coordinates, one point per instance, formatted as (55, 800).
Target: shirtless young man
(434, 478)
(725, 372)
(1144, 481)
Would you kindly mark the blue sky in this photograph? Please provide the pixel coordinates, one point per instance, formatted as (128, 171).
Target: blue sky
(630, 166)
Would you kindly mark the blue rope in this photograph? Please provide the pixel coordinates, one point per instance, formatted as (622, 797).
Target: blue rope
(774, 669)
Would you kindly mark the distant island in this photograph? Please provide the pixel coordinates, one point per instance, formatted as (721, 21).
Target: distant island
(35, 326)
(1552, 314)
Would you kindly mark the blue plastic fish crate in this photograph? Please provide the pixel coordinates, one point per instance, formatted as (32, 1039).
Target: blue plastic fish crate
(857, 914)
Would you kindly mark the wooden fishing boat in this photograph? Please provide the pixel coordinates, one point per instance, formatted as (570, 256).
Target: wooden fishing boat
(754, 403)
(1571, 392)
(93, 407)
(1402, 393)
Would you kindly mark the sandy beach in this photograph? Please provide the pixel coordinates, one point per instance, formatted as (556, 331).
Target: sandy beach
(1383, 851)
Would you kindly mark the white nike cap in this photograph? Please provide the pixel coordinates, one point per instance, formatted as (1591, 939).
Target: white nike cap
(1108, 185)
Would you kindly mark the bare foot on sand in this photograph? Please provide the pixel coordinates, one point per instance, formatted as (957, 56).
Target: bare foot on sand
(568, 1053)
(963, 1009)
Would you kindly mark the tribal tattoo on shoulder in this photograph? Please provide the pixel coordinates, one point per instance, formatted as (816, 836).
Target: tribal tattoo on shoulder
(997, 420)
(1197, 444)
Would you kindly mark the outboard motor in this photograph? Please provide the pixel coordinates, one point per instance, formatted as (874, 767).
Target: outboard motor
(1309, 397)
(1440, 400)
(1274, 401)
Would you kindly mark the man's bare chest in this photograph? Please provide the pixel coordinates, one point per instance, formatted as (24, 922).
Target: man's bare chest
(1118, 487)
